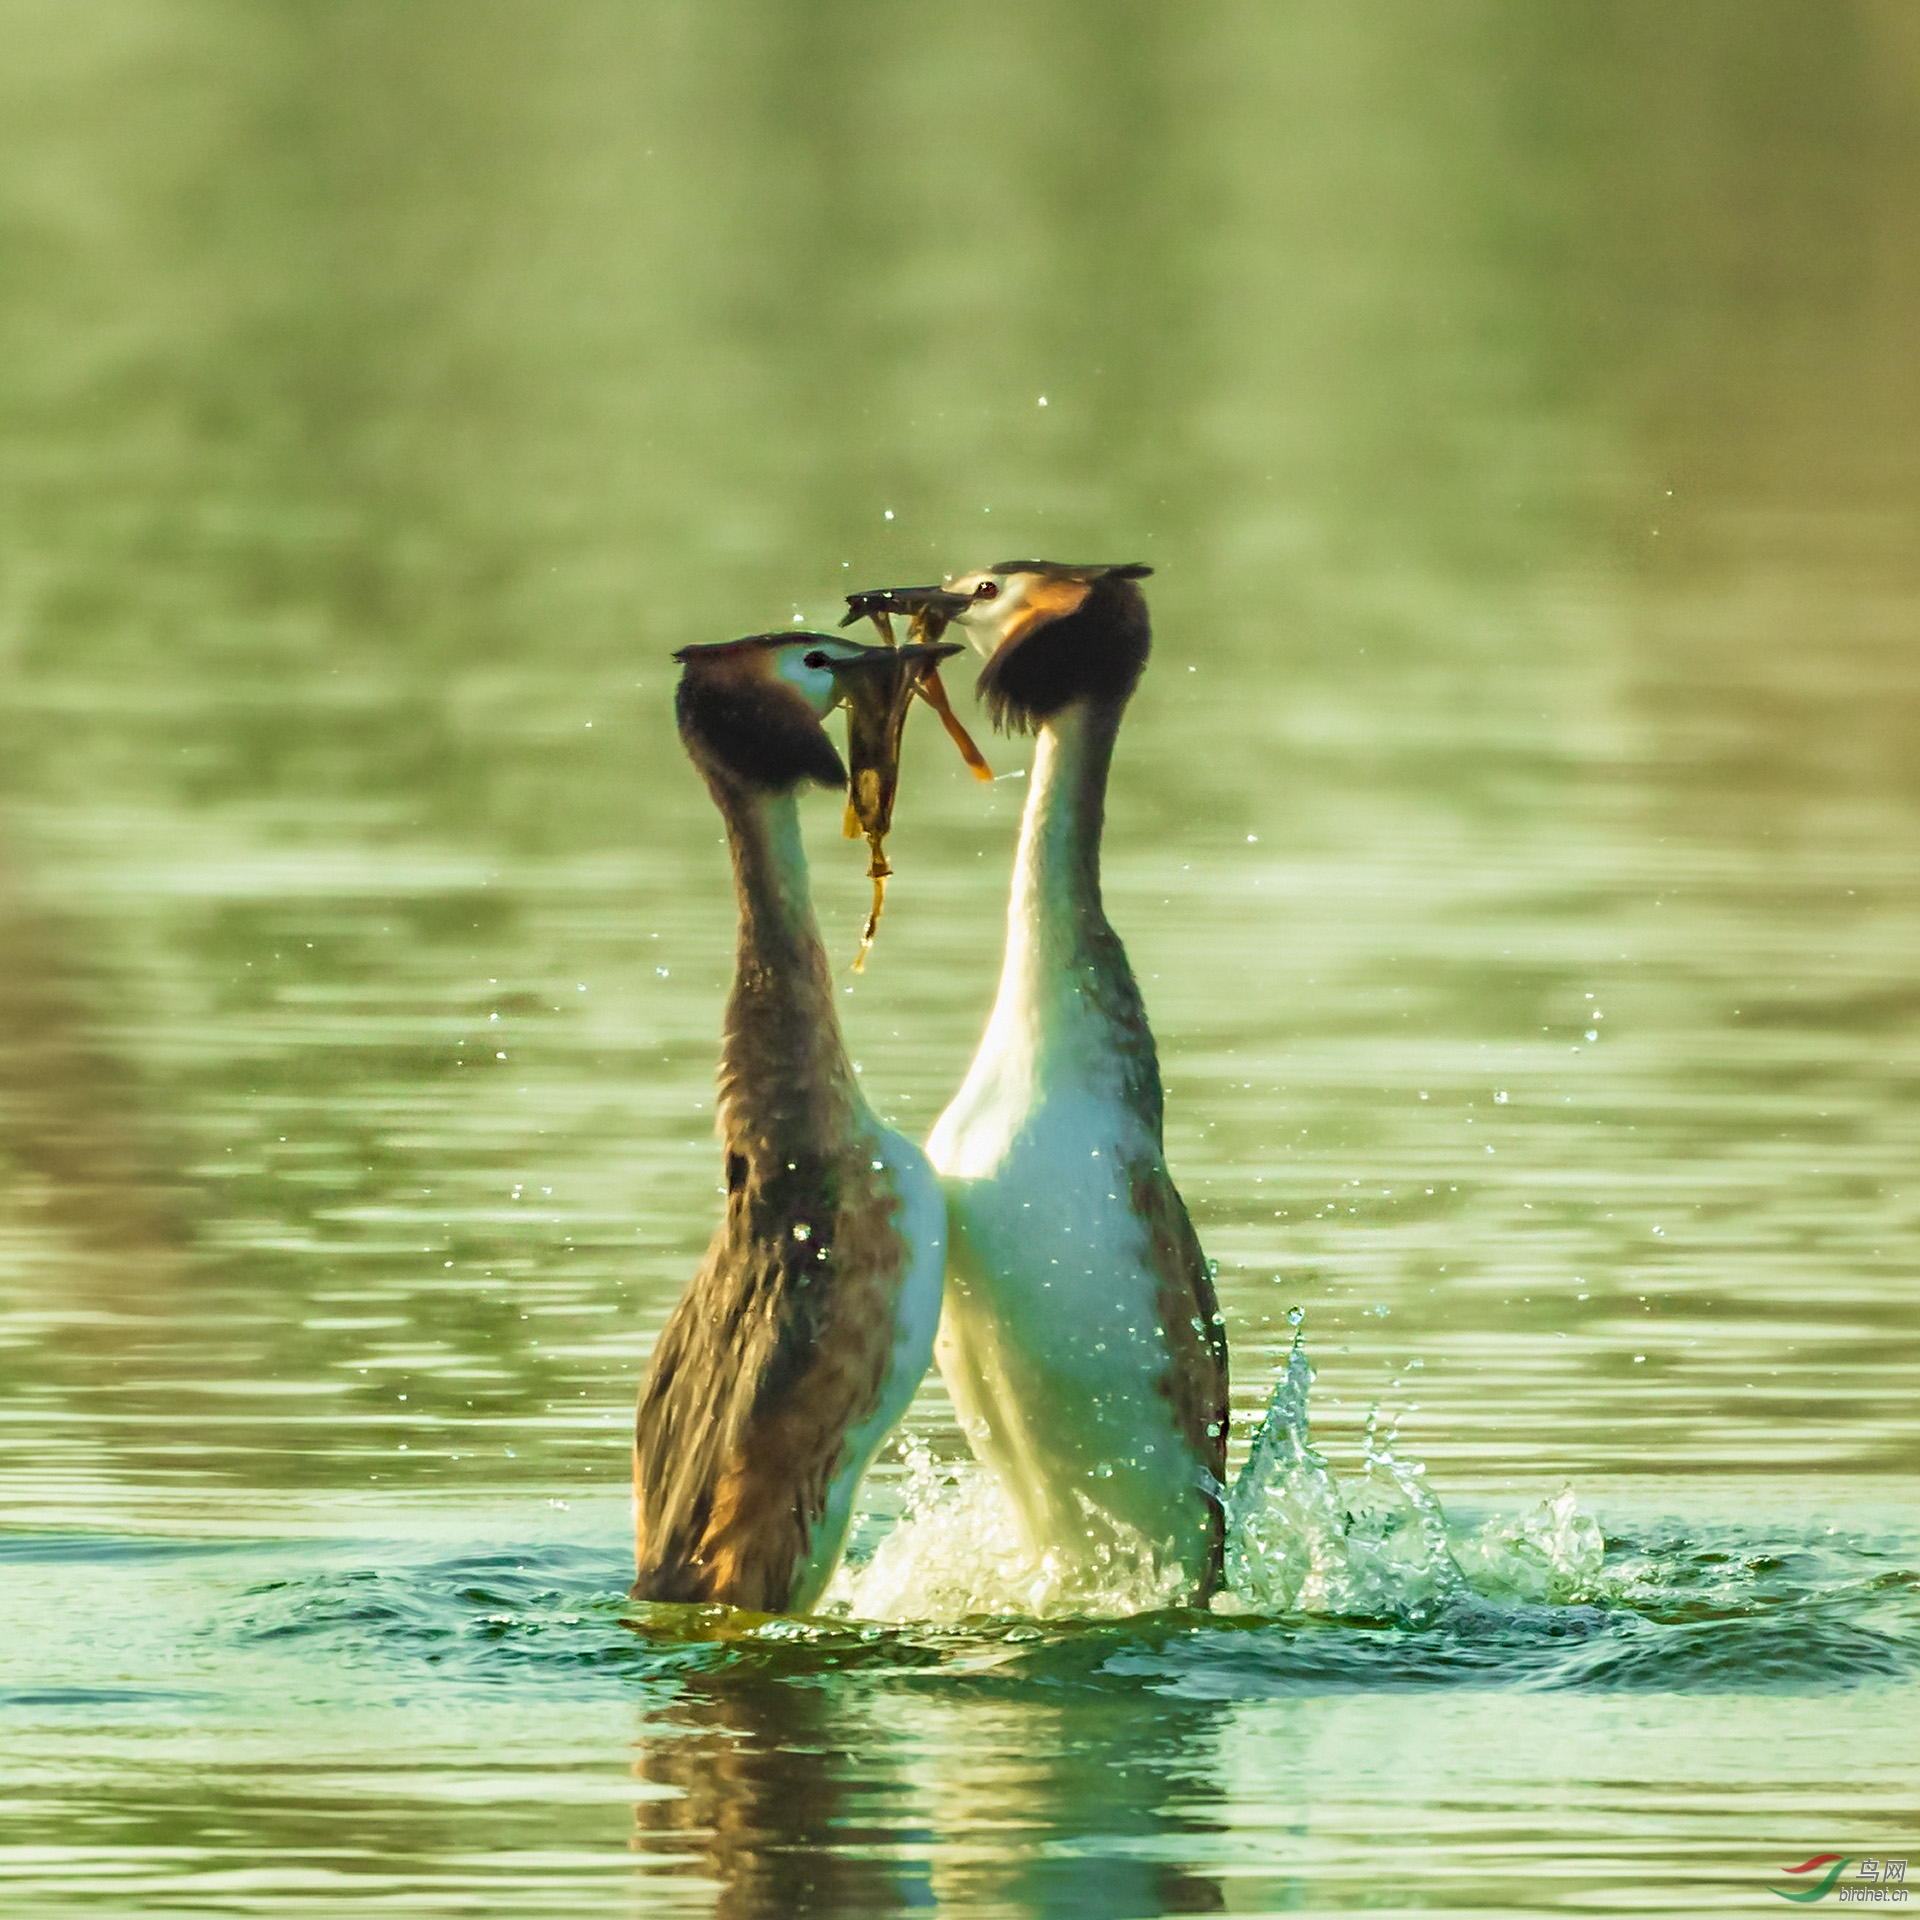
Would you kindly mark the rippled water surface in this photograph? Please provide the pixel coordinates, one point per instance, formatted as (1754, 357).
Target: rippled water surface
(1517, 835)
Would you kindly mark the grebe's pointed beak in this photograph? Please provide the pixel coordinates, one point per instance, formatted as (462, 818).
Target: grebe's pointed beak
(927, 608)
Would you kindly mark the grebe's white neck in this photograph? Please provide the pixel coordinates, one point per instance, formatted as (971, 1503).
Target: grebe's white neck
(1068, 1008)
(1055, 920)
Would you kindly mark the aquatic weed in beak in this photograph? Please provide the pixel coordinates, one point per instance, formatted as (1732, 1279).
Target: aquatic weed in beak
(879, 689)
(928, 610)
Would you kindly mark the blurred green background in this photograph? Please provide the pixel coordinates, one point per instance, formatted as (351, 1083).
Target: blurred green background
(1518, 403)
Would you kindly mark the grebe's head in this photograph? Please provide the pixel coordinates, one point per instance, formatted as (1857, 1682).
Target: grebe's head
(750, 711)
(1052, 633)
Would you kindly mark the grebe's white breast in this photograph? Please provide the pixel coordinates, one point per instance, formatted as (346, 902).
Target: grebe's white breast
(1078, 1339)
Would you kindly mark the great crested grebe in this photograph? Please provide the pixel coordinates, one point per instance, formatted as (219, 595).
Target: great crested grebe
(1081, 1341)
(811, 1322)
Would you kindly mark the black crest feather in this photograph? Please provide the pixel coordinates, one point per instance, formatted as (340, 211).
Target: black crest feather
(1130, 570)
(759, 730)
(1097, 652)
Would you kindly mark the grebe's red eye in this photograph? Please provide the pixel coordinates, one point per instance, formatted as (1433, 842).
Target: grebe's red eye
(987, 590)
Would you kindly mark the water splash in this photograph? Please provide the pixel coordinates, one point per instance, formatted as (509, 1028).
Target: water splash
(1286, 1521)
(957, 1553)
(1298, 1541)
(1552, 1554)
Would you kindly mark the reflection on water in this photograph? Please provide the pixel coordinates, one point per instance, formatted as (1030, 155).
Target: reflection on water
(801, 1800)
(472, 1709)
(1515, 836)
(766, 1786)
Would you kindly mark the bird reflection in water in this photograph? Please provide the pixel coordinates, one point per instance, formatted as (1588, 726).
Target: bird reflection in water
(799, 1798)
(780, 1796)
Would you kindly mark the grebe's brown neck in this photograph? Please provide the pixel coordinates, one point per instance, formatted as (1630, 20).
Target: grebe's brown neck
(786, 1087)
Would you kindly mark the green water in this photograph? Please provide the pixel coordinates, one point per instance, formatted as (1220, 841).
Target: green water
(1517, 835)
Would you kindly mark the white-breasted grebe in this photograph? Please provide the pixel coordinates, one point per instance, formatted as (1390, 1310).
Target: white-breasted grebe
(1081, 1340)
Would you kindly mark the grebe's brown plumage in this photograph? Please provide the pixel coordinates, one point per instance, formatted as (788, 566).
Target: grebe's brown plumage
(811, 1320)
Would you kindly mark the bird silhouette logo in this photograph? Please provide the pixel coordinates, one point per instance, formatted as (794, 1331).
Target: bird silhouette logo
(1835, 1865)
